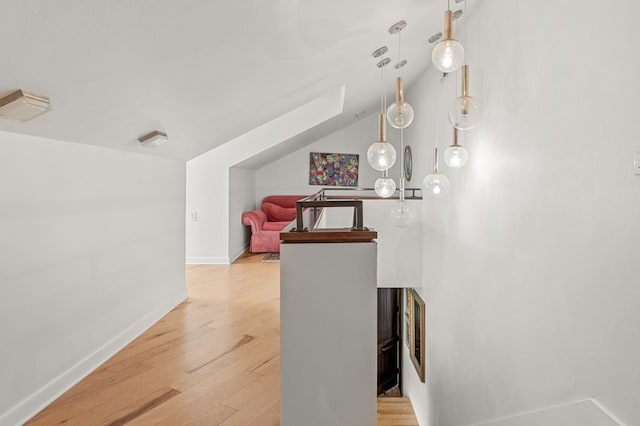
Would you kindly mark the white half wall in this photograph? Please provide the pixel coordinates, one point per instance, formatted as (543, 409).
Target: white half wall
(328, 335)
(531, 264)
(242, 195)
(91, 254)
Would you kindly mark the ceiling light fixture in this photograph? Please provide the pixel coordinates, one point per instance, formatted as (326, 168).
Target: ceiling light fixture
(153, 139)
(448, 54)
(465, 112)
(23, 106)
(455, 156)
(400, 113)
(436, 184)
(382, 155)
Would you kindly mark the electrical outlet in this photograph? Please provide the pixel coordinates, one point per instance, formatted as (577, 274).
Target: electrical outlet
(194, 216)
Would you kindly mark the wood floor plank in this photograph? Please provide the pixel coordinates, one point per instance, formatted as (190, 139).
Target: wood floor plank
(194, 404)
(135, 410)
(396, 411)
(67, 415)
(256, 407)
(213, 360)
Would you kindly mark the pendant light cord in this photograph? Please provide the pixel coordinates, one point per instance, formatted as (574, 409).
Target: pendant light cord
(401, 72)
(465, 28)
(435, 150)
(383, 99)
(382, 96)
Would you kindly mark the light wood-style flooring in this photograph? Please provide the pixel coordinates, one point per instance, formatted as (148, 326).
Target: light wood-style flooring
(213, 360)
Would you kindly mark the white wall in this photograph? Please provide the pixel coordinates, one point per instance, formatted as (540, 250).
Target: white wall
(91, 254)
(208, 175)
(208, 198)
(531, 264)
(242, 195)
(290, 174)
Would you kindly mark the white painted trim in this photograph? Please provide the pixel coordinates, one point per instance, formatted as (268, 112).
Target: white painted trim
(239, 253)
(552, 407)
(31, 405)
(607, 411)
(207, 261)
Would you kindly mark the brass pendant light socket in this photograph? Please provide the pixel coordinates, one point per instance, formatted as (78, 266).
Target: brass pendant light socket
(448, 25)
(399, 92)
(465, 80)
(465, 89)
(382, 123)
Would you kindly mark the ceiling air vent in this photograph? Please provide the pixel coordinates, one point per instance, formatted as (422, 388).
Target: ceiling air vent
(23, 106)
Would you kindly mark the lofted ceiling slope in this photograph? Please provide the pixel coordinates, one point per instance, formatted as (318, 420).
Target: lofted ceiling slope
(204, 72)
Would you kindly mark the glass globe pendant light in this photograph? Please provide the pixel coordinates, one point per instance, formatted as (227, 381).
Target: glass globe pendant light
(455, 156)
(465, 112)
(381, 155)
(436, 185)
(399, 114)
(385, 187)
(448, 54)
(402, 215)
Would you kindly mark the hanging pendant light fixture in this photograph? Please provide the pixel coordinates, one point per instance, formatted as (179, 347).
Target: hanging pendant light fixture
(400, 113)
(402, 214)
(465, 112)
(456, 155)
(384, 186)
(436, 184)
(448, 54)
(382, 155)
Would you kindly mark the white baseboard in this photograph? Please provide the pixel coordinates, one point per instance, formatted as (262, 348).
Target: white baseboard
(30, 406)
(207, 261)
(572, 413)
(239, 253)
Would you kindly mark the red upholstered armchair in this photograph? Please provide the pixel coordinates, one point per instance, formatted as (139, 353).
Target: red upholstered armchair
(276, 212)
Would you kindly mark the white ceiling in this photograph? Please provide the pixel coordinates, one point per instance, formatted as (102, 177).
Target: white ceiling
(203, 71)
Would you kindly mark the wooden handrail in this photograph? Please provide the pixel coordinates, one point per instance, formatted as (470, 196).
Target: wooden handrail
(358, 224)
(311, 208)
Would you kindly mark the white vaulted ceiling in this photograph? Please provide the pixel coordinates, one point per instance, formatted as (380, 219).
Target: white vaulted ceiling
(205, 72)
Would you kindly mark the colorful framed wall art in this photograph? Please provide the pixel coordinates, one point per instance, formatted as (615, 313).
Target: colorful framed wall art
(332, 169)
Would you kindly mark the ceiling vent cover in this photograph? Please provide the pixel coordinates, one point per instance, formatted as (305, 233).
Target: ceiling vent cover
(23, 106)
(153, 139)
